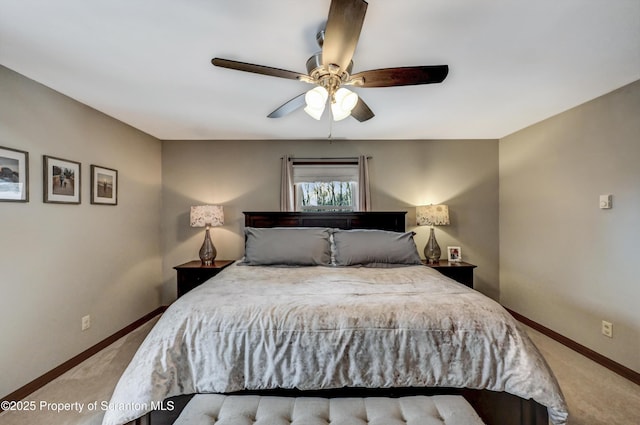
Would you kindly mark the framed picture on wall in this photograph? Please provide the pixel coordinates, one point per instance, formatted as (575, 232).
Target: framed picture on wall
(61, 180)
(104, 185)
(14, 175)
(454, 254)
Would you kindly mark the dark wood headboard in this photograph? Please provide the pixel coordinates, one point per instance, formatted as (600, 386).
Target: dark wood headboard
(382, 220)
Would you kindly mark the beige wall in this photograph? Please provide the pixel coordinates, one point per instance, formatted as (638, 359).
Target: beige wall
(61, 262)
(245, 176)
(564, 262)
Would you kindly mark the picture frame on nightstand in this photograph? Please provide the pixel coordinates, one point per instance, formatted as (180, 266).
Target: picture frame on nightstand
(454, 254)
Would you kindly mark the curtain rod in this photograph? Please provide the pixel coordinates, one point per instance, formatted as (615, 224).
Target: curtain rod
(345, 158)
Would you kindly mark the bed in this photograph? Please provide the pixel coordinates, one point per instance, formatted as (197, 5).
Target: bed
(313, 310)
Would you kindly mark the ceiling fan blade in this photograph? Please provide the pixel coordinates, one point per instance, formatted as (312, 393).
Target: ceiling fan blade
(403, 76)
(257, 69)
(361, 111)
(342, 31)
(290, 106)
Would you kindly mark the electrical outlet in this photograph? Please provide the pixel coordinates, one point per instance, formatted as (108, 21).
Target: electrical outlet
(607, 329)
(86, 322)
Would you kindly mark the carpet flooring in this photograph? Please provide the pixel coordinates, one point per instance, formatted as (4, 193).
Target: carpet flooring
(595, 395)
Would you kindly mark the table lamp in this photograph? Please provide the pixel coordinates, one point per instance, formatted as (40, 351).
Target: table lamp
(432, 215)
(207, 216)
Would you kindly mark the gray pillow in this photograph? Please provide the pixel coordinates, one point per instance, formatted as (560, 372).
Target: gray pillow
(375, 248)
(287, 246)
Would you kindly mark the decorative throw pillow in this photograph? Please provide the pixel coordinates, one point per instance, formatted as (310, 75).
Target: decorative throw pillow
(289, 246)
(375, 248)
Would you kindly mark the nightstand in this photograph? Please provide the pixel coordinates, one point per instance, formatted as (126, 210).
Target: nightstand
(193, 274)
(459, 271)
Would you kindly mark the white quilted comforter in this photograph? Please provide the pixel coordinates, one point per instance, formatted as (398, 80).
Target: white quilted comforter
(322, 327)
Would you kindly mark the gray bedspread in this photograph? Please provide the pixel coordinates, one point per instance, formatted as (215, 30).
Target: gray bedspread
(323, 327)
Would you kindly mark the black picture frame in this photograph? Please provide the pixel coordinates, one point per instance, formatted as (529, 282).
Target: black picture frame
(62, 181)
(104, 185)
(14, 175)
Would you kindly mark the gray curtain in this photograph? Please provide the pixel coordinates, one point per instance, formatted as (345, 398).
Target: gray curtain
(364, 193)
(286, 185)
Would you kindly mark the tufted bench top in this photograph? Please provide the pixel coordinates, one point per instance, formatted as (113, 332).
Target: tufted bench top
(218, 409)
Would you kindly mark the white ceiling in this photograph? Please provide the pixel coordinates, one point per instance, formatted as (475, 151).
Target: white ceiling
(147, 62)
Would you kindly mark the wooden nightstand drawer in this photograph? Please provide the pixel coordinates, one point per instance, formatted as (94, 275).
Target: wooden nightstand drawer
(459, 271)
(193, 274)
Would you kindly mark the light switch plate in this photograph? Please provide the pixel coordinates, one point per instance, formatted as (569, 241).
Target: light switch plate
(605, 201)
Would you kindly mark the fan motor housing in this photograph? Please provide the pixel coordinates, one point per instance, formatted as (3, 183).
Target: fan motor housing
(315, 66)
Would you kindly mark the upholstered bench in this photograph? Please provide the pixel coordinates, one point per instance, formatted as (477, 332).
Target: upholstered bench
(216, 409)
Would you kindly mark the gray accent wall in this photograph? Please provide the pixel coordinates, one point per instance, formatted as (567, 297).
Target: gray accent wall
(564, 262)
(245, 176)
(61, 262)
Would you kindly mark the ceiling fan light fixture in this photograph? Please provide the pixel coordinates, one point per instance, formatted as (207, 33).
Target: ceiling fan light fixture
(346, 99)
(338, 113)
(315, 113)
(316, 98)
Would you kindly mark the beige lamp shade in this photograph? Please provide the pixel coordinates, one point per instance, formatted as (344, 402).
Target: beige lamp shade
(432, 215)
(207, 215)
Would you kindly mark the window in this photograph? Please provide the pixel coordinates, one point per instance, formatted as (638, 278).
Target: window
(325, 186)
(326, 196)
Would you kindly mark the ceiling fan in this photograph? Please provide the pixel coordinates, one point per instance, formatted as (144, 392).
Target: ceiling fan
(330, 69)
